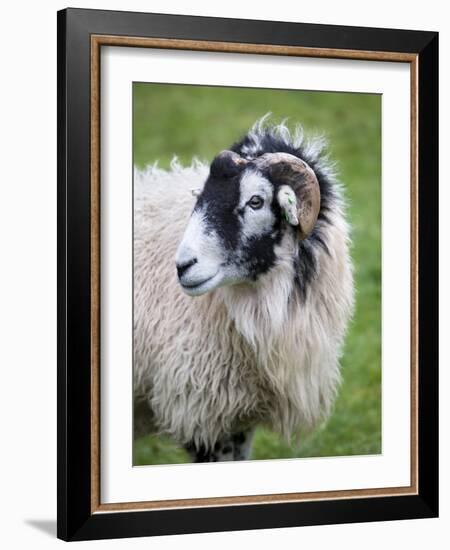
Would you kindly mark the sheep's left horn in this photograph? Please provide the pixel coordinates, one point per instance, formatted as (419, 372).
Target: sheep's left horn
(289, 170)
(227, 164)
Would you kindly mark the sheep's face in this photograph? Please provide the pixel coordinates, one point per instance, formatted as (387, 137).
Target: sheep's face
(240, 217)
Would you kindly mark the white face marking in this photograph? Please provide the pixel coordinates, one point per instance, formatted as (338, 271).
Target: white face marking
(256, 222)
(204, 262)
(201, 249)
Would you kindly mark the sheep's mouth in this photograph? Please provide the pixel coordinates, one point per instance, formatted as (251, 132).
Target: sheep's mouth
(199, 287)
(195, 285)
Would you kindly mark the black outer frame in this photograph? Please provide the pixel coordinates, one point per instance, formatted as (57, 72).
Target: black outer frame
(75, 521)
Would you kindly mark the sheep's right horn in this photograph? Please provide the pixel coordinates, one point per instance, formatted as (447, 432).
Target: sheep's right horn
(227, 164)
(290, 170)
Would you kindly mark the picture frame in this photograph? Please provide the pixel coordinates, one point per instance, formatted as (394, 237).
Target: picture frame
(81, 36)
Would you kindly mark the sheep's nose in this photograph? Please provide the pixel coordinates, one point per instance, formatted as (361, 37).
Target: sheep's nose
(182, 267)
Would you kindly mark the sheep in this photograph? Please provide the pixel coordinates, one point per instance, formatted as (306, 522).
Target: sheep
(243, 290)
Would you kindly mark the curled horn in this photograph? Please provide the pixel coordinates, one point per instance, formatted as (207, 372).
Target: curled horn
(290, 170)
(227, 164)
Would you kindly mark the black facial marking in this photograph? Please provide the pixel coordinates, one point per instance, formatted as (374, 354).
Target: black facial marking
(259, 251)
(259, 255)
(218, 202)
(219, 205)
(223, 166)
(268, 141)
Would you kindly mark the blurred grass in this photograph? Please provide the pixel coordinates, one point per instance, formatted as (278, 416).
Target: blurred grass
(189, 121)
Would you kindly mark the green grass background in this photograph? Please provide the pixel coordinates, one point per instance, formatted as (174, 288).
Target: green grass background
(189, 121)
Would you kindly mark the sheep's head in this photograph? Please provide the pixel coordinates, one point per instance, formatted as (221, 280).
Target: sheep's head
(241, 215)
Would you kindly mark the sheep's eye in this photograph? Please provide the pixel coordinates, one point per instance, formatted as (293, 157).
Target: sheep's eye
(256, 202)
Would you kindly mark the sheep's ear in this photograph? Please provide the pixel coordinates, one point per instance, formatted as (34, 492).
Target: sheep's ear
(288, 203)
(227, 164)
(293, 172)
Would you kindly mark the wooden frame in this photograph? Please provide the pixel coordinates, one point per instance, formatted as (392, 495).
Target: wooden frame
(81, 34)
